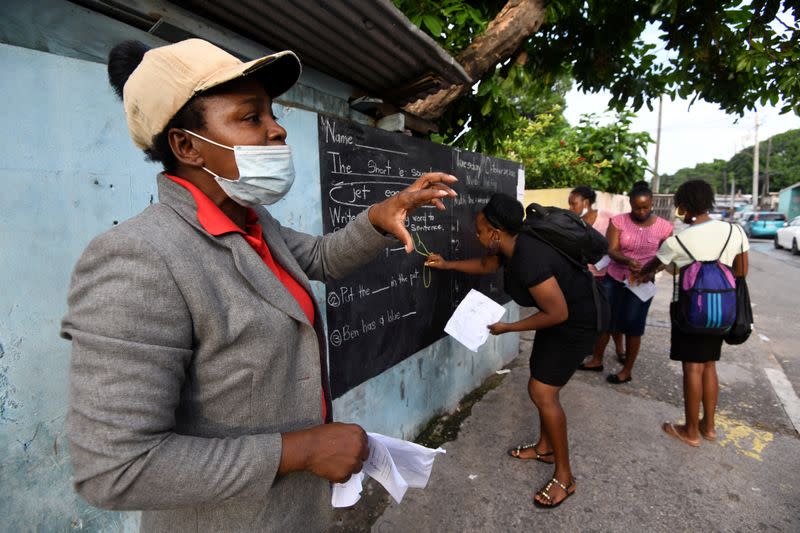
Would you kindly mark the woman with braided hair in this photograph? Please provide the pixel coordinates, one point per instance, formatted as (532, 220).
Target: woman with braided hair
(536, 275)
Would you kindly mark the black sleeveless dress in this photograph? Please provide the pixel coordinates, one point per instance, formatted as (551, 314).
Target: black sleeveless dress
(558, 350)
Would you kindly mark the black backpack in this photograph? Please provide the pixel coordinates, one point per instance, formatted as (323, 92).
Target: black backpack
(567, 232)
(577, 242)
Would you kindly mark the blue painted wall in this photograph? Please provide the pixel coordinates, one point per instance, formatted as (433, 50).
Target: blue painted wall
(68, 171)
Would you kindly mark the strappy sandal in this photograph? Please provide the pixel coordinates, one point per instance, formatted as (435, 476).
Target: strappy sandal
(598, 368)
(614, 379)
(514, 452)
(545, 493)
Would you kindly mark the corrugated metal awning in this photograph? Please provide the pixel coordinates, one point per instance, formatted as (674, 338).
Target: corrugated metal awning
(367, 43)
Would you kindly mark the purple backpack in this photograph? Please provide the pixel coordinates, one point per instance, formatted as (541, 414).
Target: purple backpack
(704, 302)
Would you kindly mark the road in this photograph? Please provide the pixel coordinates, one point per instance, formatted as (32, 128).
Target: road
(630, 476)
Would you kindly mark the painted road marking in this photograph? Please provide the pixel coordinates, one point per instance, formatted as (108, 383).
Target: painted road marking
(747, 441)
(786, 394)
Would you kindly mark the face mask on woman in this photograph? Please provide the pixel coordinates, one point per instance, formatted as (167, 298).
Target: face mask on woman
(266, 173)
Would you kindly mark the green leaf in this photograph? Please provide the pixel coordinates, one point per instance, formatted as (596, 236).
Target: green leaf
(487, 107)
(433, 24)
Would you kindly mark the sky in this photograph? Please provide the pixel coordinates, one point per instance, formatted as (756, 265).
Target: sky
(689, 135)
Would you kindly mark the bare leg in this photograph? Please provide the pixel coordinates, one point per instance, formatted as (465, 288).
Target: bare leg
(710, 395)
(555, 424)
(599, 350)
(632, 345)
(692, 392)
(619, 339)
(543, 445)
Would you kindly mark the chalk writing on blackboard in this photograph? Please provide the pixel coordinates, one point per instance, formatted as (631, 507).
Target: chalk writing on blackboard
(396, 306)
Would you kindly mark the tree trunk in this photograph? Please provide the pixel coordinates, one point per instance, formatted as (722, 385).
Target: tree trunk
(503, 36)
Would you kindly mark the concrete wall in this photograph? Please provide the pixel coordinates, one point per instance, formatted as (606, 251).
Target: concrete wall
(69, 172)
(613, 203)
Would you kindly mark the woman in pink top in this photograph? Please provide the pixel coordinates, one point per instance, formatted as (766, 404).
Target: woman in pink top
(633, 241)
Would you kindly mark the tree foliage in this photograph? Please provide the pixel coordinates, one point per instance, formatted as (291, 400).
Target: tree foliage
(723, 51)
(609, 158)
(784, 167)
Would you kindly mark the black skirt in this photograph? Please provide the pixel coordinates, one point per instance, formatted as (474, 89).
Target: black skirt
(558, 351)
(689, 348)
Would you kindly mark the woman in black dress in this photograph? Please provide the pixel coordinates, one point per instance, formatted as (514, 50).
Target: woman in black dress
(536, 275)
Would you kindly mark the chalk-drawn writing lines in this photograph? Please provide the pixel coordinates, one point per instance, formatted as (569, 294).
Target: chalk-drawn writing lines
(366, 147)
(366, 175)
(376, 291)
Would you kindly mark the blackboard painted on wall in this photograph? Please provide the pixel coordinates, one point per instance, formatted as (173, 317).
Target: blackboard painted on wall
(395, 306)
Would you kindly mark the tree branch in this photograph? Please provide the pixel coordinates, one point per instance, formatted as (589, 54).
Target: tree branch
(503, 37)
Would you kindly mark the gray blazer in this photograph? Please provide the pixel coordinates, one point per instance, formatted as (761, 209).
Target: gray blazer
(189, 358)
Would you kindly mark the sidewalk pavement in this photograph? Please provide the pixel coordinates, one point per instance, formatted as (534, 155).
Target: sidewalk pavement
(630, 475)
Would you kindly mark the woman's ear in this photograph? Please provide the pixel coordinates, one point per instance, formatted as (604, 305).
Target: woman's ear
(184, 148)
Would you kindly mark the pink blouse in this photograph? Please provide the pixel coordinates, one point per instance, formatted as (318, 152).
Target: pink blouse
(601, 222)
(637, 242)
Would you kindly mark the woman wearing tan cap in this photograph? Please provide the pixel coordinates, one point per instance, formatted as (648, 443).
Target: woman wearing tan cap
(198, 379)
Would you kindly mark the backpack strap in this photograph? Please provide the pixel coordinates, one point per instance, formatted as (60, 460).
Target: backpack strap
(685, 249)
(595, 290)
(741, 232)
(726, 243)
(675, 285)
(530, 231)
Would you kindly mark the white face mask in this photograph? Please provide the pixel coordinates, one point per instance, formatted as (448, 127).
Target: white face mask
(583, 213)
(266, 173)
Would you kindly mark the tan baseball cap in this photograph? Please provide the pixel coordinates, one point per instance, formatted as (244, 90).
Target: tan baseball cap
(169, 76)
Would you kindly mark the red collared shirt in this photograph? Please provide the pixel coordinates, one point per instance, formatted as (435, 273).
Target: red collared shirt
(217, 223)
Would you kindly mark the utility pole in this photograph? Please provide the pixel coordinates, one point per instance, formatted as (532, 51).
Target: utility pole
(656, 180)
(755, 168)
(766, 172)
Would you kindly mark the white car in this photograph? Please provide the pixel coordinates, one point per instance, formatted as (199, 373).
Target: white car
(789, 236)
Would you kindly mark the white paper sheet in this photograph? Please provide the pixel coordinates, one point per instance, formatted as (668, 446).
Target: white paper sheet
(470, 321)
(396, 464)
(644, 291)
(604, 262)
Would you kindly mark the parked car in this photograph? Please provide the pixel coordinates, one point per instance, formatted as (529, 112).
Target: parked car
(789, 236)
(762, 223)
(741, 211)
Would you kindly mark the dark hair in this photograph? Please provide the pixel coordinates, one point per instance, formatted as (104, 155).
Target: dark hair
(640, 188)
(696, 196)
(504, 212)
(122, 61)
(585, 192)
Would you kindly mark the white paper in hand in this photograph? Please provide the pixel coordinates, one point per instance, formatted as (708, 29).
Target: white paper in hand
(644, 291)
(471, 319)
(347, 494)
(394, 463)
(604, 262)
